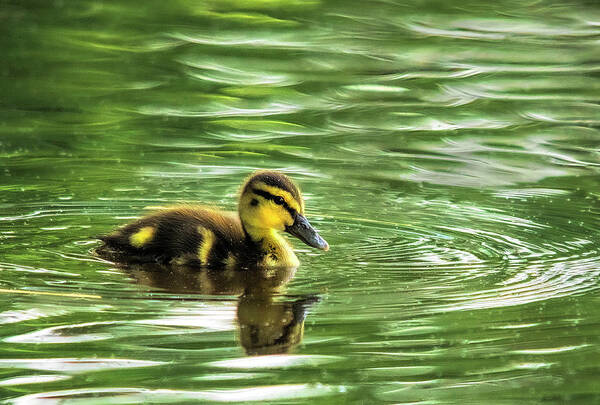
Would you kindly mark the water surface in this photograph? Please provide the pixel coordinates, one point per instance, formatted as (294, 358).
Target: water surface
(448, 152)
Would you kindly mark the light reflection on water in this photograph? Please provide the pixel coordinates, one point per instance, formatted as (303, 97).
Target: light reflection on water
(448, 154)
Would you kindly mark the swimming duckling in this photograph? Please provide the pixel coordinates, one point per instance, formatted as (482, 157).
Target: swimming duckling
(269, 202)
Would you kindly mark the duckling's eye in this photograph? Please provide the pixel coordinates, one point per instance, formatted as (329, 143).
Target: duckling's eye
(278, 200)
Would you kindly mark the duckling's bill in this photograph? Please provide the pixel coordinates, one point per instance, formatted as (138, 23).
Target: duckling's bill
(303, 230)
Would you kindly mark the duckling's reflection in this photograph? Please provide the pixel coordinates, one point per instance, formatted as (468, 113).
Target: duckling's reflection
(265, 325)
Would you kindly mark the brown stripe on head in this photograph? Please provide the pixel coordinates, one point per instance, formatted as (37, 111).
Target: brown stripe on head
(277, 180)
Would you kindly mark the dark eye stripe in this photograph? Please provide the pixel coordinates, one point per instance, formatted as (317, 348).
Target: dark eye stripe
(270, 196)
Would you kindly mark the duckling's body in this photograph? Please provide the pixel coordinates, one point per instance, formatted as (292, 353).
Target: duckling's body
(192, 235)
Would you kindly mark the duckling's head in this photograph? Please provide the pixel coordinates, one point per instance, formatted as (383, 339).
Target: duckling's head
(271, 201)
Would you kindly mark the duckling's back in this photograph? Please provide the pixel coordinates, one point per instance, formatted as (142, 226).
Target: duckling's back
(184, 235)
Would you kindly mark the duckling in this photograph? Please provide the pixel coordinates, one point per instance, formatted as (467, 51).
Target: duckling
(269, 202)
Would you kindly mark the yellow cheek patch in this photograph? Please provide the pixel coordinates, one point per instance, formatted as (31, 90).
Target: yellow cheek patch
(263, 216)
(271, 218)
(279, 217)
(208, 240)
(142, 237)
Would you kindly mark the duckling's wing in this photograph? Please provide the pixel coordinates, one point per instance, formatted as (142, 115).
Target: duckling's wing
(190, 235)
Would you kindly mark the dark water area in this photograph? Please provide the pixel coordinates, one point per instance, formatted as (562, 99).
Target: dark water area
(448, 151)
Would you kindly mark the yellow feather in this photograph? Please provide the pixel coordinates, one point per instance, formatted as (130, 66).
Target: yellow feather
(142, 237)
(208, 240)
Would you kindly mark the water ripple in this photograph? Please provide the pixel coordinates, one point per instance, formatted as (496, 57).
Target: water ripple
(75, 365)
(36, 379)
(221, 110)
(274, 361)
(141, 395)
(449, 154)
(508, 255)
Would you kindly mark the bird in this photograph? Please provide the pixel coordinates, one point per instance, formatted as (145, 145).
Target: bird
(192, 235)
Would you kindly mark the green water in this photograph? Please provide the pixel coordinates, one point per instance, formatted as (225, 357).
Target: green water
(449, 152)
